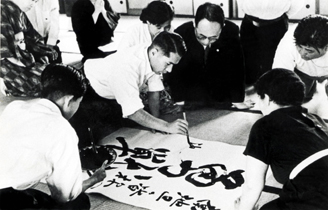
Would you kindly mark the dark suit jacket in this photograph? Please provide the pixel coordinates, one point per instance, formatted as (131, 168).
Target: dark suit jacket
(223, 74)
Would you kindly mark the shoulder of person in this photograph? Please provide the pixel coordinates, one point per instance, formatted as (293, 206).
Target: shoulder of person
(230, 26)
(184, 28)
(82, 6)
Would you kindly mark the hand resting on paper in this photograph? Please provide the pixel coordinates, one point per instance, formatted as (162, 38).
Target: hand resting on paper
(98, 176)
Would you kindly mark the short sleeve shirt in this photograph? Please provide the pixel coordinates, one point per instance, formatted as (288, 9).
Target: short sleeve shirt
(37, 143)
(122, 76)
(284, 138)
(288, 57)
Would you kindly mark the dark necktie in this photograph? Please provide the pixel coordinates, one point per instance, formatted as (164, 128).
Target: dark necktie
(207, 49)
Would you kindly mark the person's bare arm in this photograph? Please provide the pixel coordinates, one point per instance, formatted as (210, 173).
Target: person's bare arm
(255, 179)
(98, 176)
(142, 117)
(154, 103)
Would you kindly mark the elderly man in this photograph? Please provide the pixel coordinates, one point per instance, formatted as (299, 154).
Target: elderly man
(212, 70)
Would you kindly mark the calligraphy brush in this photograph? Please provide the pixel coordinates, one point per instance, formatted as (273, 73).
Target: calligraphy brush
(92, 141)
(187, 134)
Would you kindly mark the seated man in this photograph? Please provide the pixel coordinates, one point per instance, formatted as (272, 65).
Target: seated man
(304, 50)
(93, 22)
(121, 77)
(37, 142)
(212, 70)
(283, 138)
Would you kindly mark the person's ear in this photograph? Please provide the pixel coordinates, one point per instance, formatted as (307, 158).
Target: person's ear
(267, 100)
(154, 51)
(326, 48)
(66, 102)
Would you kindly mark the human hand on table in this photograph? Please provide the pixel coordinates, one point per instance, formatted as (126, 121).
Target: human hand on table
(178, 126)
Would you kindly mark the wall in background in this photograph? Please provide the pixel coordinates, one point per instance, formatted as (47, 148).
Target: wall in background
(188, 7)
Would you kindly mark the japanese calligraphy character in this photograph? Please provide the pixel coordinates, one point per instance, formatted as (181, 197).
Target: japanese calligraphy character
(139, 189)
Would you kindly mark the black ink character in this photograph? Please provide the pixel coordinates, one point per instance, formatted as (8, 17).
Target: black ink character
(203, 205)
(125, 146)
(181, 201)
(121, 176)
(140, 177)
(113, 181)
(139, 190)
(133, 165)
(208, 175)
(164, 197)
(157, 154)
(185, 167)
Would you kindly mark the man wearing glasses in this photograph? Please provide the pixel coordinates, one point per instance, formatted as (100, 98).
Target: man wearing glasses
(211, 73)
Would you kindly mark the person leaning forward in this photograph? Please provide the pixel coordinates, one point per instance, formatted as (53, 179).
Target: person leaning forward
(37, 142)
(120, 77)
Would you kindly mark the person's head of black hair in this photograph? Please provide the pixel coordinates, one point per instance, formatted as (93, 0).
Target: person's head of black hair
(157, 13)
(312, 31)
(211, 12)
(282, 86)
(58, 80)
(170, 43)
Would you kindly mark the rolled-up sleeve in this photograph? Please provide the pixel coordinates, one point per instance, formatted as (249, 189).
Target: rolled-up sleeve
(126, 91)
(155, 83)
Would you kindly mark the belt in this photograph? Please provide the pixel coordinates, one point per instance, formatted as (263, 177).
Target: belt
(261, 22)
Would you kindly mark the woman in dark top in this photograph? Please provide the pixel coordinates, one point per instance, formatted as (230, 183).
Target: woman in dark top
(94, 23)
(283, 138)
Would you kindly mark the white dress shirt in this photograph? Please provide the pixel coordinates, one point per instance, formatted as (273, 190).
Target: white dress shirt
(44, 17)
(135, 35)
(270, 9)
(122, 76)
(37, 142)
(288, 57)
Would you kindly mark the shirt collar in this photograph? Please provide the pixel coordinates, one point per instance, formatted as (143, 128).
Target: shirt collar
(149, 72)
(51, 106)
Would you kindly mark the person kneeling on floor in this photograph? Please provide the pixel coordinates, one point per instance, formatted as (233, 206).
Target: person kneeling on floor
(284, 139)
(37, 142)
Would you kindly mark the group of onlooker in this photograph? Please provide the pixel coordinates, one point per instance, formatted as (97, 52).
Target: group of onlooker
(207, 62)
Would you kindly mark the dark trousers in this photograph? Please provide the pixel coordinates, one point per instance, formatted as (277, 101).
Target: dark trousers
(35, 199)
(96, 113)
(310, 84)
(259, 46)
(101, 115)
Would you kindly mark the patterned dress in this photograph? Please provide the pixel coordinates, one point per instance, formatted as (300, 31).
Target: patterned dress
(21, 67)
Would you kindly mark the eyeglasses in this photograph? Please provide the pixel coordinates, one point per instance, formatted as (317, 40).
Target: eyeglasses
(201, 37)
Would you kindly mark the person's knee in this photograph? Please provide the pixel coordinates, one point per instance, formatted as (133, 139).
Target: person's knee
(80, 202)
